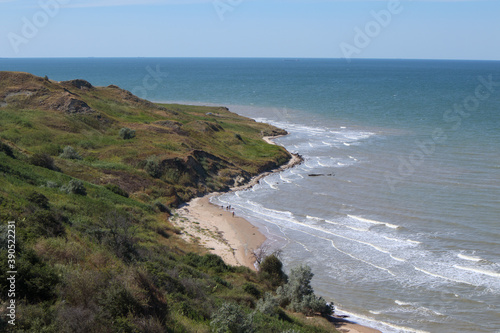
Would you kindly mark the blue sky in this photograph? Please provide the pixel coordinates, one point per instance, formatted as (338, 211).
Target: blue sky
(418, 29)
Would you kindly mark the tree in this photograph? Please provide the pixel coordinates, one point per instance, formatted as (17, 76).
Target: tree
(298, 295)
(271, 269)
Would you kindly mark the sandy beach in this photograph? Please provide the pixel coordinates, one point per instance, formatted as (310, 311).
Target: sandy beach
(218, 229)
(233, 238)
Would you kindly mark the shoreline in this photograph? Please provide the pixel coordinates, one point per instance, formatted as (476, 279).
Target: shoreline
(234, 238)
(231, 237)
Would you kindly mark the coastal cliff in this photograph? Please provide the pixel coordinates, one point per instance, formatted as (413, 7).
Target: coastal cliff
(88, 177)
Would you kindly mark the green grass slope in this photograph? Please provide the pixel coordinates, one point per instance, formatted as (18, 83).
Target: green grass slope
(94, 249)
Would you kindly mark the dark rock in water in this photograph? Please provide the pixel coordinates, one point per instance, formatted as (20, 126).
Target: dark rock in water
(321, 175)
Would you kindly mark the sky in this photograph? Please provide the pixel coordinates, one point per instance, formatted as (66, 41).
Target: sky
(418, 29)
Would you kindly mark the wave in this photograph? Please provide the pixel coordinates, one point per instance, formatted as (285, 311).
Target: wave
(273, 221)
(389, 225)
(442, 277)
(480, 271)
(347, 226)
(271, 185)
(286, 180)
(469, 258)
(382, 325)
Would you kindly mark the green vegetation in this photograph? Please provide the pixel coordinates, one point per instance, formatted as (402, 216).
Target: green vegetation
(95, 251)
(126, 133)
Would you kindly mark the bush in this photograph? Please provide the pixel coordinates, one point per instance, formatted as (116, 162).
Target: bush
(70, 153)
(230, 318)
(118, 233)
(208, 262)
(6, 149)
(51, 184)
(268, 305)
(38, 199)
(35, 282)
(118, 301)
(127, 133)
(251, 289)
(43, 160)
(74, 186)
(298, 295)
(153, 167)
(116, 189)
(271, 269)
(45, 223)
(160, 207)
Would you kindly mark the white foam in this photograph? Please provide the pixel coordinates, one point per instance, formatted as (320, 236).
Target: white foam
(284, 179)
(441, 277)
(346, 144)
(314, 218)
(469, 258)
(347, 226)
(366, 262)
(389, 225)
(402, 303)
(271, 185)
(382, 325)
(480, 271)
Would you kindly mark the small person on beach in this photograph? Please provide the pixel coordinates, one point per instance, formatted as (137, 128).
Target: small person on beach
(233, 214)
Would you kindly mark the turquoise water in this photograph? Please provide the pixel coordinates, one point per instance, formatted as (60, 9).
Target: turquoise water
(405, 234)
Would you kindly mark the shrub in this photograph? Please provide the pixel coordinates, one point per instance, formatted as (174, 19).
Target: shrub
(38, 199)
(160, 207)
(43, 160)
(118, 301)
(298, 295)
(116, 189)
(118, 233)
(127, 133)
(153, 167)
(35, 282)
(271, 269)
(74, 186)
(70, 153)
(230, 318)
(268, 305)
(6, 149)
(251, 289)
(51, 184)
(208, 262)
(45, 223)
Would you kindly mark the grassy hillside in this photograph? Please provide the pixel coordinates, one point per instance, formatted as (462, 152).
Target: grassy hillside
(88, 174)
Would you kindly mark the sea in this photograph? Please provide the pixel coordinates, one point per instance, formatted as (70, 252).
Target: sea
(396, 207)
